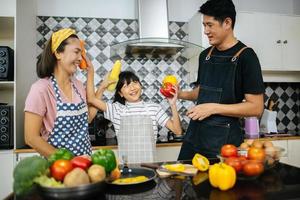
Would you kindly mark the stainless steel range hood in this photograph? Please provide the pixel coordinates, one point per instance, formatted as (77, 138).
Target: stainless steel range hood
(153, 32)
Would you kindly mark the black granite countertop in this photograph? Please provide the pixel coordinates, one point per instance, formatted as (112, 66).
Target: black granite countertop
(280, 182)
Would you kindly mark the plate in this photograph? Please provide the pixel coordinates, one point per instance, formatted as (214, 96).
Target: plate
(81, 192)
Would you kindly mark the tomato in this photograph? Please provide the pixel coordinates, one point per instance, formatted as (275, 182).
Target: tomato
(253, 168)
(229, 150)
(234, 162)
(243, 160)
(167, 90)
(255, 153)
(60, 168)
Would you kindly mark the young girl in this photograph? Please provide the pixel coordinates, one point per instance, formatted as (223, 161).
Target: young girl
(135, 121)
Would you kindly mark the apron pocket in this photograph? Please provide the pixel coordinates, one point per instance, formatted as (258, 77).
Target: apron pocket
(210, 137)
(209, 94)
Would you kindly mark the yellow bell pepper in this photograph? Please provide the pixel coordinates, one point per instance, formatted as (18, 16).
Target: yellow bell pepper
(170, 79)
(200, 162)
(199, 178)
(222, 176)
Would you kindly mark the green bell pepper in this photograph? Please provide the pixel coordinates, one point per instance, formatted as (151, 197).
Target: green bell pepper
(106, 158)
(62, 153)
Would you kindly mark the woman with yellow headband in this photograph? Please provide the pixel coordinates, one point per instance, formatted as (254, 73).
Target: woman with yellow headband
(56, 111)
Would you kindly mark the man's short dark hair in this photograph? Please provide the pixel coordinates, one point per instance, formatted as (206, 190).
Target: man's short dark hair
(219, 9)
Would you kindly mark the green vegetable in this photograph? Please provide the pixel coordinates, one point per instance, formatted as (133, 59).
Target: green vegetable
(60, 154)
(105, 158)
(26, 171)
(47, 181)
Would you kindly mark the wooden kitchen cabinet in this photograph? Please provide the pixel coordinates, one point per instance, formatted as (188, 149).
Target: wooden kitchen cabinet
(275, 39)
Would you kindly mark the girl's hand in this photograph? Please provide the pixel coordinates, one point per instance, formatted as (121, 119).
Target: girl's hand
(172, 101)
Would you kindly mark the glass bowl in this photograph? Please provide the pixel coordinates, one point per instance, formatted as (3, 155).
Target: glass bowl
(245, 169)
(272, 157)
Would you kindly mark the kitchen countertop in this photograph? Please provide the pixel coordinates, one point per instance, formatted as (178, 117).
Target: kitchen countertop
(280, 182)
(172, 144)
(105, 147)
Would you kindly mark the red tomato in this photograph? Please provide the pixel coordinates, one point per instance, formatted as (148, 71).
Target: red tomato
(229, 150)
(255, 153)
(167, 90)
(243, 160)
(234, 162)
(253, 168)
(60, 168)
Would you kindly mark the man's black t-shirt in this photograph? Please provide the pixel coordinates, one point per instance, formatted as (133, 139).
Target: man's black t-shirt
(248, 79)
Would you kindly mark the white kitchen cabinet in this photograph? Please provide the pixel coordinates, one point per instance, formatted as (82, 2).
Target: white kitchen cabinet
(273, 37)
(284, 145)
(6, 172)
(294, 149)
(168, 153)
(7, 92)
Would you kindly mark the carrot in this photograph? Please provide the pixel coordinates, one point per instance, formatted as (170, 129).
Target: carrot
(83, 64)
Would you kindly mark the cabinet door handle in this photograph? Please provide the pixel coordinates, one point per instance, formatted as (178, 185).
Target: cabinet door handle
(278, 41)
(285, 42)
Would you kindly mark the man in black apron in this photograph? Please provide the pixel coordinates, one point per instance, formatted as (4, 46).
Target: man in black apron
(230, 86)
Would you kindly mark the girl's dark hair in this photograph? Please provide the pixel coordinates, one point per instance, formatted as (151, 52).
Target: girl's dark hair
(125, 77)
(220, 10)
(47, 60)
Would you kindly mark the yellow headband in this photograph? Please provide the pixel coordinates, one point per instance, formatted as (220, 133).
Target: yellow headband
(59, 36)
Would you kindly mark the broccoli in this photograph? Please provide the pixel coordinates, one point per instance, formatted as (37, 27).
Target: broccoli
(25, 172)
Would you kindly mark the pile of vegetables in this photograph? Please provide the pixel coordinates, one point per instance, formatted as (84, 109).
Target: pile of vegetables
(63, 169)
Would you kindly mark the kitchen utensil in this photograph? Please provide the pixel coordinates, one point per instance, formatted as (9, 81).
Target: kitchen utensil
(270, 104)
(275, 106)
(251, 127)
(268, 122)
(87, 191)
(133, 188)
(127, 172)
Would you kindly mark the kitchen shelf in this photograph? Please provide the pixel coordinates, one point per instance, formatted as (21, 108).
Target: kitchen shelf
(6, 85)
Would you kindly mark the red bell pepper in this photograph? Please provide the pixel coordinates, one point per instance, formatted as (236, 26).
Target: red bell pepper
(82, 162)
(167, 90)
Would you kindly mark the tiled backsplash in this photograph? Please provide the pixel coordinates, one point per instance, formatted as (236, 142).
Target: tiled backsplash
(288, 114)
(100, 33)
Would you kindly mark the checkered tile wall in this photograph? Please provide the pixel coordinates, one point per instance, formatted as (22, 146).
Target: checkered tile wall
(288, 114)
(100, 33)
